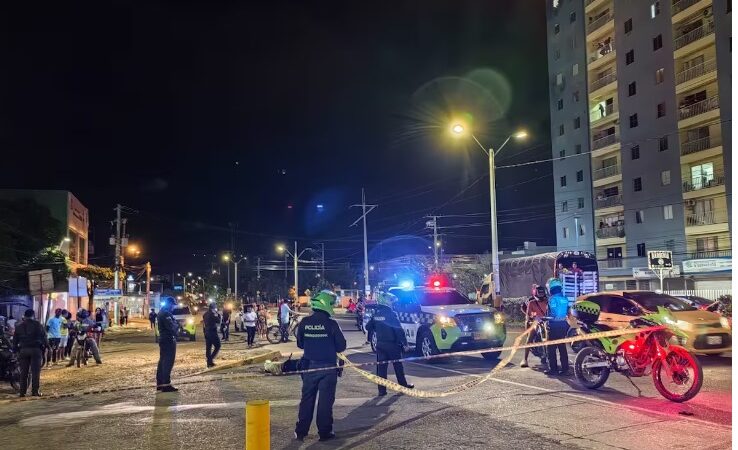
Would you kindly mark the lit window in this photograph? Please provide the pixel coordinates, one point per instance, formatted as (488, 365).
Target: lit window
(668, 212)
(665, 177)
(640, 216)
(655, 9)
(659, 76)
(559, 79)
(575, 69)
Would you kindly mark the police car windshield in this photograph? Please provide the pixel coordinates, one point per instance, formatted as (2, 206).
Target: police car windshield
(432, 297)
(181, 311)
(651, 300)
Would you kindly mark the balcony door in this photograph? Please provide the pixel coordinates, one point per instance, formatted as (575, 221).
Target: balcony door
(702, 175)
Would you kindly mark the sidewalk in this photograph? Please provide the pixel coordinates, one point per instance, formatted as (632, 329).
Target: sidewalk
(130, 357)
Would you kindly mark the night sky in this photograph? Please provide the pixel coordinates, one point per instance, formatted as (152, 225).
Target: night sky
(203, 114)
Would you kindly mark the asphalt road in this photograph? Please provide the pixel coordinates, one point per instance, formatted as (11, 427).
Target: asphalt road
(521, 408)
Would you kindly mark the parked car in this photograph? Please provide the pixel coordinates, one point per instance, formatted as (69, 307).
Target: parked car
(701, 302)
(186, 321)
(708, 332)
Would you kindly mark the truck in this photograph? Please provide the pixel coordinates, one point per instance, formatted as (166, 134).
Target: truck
(519, 275)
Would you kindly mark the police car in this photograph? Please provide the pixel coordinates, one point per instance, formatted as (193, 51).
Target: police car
(437, 318)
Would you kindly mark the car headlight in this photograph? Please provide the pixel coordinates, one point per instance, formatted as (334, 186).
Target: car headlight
(190, 321)
(446, 321)
(499, 318)
(683, 325)
(725, 322)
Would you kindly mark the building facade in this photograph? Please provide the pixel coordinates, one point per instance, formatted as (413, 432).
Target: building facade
(657, 96)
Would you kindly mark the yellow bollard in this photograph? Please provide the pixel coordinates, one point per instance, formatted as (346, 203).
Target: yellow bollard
(257, 425)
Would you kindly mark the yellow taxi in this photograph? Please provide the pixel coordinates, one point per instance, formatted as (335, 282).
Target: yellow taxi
(708, 332)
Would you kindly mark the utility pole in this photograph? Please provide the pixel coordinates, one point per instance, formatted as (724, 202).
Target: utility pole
(148, 286)
(434, 224)
(118, 250)
(576, 231)
(258, 267)
(297, 291)
(364, 212)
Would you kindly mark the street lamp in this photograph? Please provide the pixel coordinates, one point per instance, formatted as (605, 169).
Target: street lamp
(227, 259)
(459, 129)
(295, 256)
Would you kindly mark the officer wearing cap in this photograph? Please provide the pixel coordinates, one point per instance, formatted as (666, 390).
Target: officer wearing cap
(321, 338)
(168, 328)
(390, 339)
(29, 341)
(558, 309)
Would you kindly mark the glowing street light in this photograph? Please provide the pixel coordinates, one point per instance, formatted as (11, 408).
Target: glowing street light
(460, 130)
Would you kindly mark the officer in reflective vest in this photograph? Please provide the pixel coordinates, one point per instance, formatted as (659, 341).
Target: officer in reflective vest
(321, 338)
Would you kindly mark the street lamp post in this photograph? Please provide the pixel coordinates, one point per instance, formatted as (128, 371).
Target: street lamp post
(235, 277)
(295, 256)
(491, 153)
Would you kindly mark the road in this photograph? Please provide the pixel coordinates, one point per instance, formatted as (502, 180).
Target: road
(521, 408)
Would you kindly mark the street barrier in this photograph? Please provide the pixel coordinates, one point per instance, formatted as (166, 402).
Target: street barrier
(257, 425)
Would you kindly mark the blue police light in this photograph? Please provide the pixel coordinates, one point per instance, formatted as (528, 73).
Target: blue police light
(407, 284)
(320, 207)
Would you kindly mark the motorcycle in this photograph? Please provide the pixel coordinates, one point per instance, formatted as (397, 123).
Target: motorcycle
(81, 351)
(540, 334)
(676, 373)
(9, 367)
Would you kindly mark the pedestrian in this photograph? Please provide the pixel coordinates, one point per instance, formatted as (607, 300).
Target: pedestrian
(249, 321)
(558, 308)
(152, 318)
(64, 335)
(121, 319)
(53, 329)
(390, 339)
(284, 319)
(537, 306)
(321, 338)
(11, 324)
(29, 343)
(70, 340)
(602, 110)
(167, 345)
(125, 315)
(225, 324)
(210, 323)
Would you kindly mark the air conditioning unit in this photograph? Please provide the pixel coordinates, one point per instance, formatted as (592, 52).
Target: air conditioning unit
(707, 12)
(690, 202)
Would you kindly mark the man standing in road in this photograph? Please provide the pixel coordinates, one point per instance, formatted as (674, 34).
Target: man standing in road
(536, 306)
(321, 338)
(284, 319)
(390, 341)
(225, 323)
(167, 346)
(210, 324)
(29, 342)
(152, 318)
(558, 309)
(53, 328)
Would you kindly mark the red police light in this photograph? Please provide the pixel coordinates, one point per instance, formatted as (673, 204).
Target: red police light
(437, 283)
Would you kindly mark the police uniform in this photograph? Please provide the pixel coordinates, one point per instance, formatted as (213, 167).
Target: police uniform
(29, 339)
(558, 308)
(167, 349)
(390, 342)
(321, 338)
(210, 323)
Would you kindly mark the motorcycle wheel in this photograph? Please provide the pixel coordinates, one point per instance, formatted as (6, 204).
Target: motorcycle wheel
(274, 334)
(595, 377)
(686, 371)
(373, 341)
(539, 352)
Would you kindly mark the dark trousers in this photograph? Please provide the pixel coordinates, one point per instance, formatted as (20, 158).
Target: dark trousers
(70, 343)
(167, 352)
(153, 323)
(212, 345)
(285, 334)
(321, 386)
(557, 330)
(30, 359)
(225, 330)
(386, 353)
(250, 333)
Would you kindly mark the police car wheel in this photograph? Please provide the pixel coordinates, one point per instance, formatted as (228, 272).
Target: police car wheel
(192, 338)
(491, 356)
(373, 342)
(427, 346)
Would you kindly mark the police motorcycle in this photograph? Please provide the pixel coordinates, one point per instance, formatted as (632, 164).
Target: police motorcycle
(676, 373)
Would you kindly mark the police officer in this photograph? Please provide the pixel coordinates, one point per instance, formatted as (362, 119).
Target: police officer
(168, 328)
(391, 341)
(321, 338)
(29, 342)
(210, 322)
(558, 309)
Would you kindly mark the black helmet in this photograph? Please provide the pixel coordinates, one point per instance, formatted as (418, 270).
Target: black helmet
(83, 314)
(540, 292)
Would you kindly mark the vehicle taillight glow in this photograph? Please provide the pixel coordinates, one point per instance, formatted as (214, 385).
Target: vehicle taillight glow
(436, 283)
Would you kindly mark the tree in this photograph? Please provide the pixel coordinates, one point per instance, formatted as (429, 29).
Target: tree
(94, 275)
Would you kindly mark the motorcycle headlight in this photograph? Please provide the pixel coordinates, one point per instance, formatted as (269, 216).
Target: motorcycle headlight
(725, 322)
(499, 318)
(446, 321)
(190, 321)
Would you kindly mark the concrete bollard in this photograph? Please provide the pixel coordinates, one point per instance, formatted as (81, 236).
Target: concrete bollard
(257, 425)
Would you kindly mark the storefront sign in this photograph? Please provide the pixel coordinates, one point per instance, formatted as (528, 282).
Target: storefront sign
(643, 273)
(108, 293)
(659, 259)
(707, 265)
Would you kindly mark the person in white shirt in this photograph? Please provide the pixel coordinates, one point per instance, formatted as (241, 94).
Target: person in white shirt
(249, 321)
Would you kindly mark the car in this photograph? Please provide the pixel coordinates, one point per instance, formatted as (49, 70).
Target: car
(439, 319)
(701, 302)
(186, 321)
(708, 332)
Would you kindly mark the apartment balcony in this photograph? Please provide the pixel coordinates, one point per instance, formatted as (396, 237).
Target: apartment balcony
(701, 148)
(606, 175)
(608, 202)
(602, 56)
(694, 40)
(683, 9)
(600, 26)
(704, 186)
(603, 84)
(618, 267)
(707, 222)
(699, 112)
(611, 232)
(711, 254)
(597, 118)
(705, 71)
(591, 5)
(605, 145)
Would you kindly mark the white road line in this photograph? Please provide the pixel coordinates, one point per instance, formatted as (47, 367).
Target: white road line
(585, 398)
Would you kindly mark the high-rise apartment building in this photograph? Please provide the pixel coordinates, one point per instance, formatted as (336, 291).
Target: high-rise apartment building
(641, 126)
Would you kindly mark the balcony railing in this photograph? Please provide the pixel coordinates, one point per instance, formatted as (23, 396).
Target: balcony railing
(696, 71)
(600, 21)
(605, 172)
(604, 141)
(603, 51)
(603, 81)
(602, 113)
(701, 107)
(698, 145)
(588, 2)
(611, 232)
(681, 5)
(709, 254)
(704, 182)
(707, 218)
(607, 202)
(694, 35)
